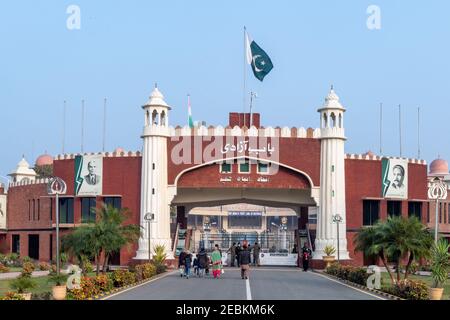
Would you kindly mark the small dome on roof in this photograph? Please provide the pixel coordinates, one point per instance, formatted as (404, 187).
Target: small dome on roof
(439, 167)
(369, 153)
(119, 150)
(44, 160)
(157, 99)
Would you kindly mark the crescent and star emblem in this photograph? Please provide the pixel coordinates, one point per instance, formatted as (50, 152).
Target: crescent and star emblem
(254, 62)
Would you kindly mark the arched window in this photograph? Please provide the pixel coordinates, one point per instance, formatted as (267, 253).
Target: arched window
(155, 117)
(147, 118)
(325, 120)
(163, 118)
(333, 120)
(340, 120)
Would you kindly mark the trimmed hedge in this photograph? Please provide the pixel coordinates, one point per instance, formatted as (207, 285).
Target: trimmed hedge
(409, 289)
(353, 274)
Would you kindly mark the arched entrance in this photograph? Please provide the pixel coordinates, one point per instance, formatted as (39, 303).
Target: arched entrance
(242, 187)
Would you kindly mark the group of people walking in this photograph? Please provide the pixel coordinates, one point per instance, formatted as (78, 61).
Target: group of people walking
(235, 254)
(203, 262)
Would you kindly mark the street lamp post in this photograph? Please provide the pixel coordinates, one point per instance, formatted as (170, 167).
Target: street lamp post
(56, 186)
(149, 217)
(437, 190)
(337, 218)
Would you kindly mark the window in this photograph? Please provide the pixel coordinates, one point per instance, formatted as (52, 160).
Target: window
(15, 243)
(88, 210)
(263, 167)
(116, 202)
(29, 210)
(428, 212)
(244, 167)
(39, 209)
(225, 168)
(394, 208)
(245, 220)
(66, 210)
(51, 209)
(370, 212)
(415, 209)
(34, 209)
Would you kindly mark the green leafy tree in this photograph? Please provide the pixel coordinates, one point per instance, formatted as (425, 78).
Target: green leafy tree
(440, 263)
(112, 232)
(395, 239)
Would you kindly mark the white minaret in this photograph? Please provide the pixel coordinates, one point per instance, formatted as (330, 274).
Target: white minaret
(154, 195)
(332, 178)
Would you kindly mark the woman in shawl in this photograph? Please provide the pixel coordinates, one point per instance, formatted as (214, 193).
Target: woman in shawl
(216, 259)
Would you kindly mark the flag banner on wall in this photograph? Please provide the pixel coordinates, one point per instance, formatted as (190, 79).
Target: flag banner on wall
(88, 175)
(257, 58)
(190, 122)
(394, 178)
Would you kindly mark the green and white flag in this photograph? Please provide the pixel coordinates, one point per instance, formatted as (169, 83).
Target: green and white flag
(190, 122)
(257, 58)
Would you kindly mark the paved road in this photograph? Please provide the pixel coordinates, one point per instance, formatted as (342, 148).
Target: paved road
(264, 284)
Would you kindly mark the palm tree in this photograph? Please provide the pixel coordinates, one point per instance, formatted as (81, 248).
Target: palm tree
(405, 238)
(112, 233)
(368, 241)
(81, 242)
(104, 236)
(395, 239)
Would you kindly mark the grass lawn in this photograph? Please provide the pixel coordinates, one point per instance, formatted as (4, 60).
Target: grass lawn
(386, 281)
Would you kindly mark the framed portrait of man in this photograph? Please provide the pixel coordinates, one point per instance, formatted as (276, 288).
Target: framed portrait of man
(394, 178)
(88, 175)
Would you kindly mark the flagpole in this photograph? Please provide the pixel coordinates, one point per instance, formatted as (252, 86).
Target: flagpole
(189, 109)
(400, 127)
(82, 124)
(381, 128)
(64, 127)
(104, 124)
(418, 132)
(245, 66)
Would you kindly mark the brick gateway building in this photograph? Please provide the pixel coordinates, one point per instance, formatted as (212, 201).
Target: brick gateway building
(182, 168)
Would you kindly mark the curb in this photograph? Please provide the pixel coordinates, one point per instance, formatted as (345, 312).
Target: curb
(356, 285)
(104, 295)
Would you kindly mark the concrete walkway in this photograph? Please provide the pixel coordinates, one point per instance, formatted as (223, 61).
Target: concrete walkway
(13, 275)
(263, 284)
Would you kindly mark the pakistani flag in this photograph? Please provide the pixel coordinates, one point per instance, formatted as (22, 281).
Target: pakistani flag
(257, 58)
(190, 122)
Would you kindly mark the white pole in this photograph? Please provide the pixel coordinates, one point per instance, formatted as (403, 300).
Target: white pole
(400, 127)
(436, 222)
(64, 127)
(82, 124)
(104, 124)
(245, 66)
(381, 129)
(57, 233)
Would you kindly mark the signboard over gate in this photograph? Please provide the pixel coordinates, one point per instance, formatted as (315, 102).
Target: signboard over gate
(245, 213)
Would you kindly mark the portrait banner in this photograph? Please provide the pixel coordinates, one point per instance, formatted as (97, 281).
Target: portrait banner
(88, 175)
(394, 178)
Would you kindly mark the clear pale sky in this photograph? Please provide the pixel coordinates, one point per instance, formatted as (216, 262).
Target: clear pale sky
(196, 47)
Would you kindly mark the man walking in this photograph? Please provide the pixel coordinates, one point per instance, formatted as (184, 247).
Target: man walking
(232, 252)
(238, 250)
(244, 260)
(256, 251)
(306, 255)
(202, 262)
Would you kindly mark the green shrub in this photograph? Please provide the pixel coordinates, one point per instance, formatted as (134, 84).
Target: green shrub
(44, 266)
(333, 269)
(103, 283)
(329, 250)
(87, 265)
(13, 260)
(160, 255)
(414, 267)
(22, 283)
(12, 296)
(122, 278)
(161, 268)
(3, 259)
(26, 259)
(145, 271)
(410, 290)
(358, 275)
(57, 279)
(3, 268)
(28, 268)
(88, 289)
